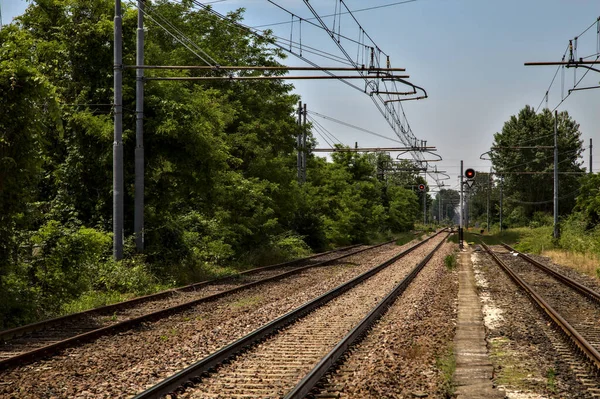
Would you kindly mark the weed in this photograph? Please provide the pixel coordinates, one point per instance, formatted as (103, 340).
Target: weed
(551, 380)
(247, 302)
(404, 238)
(450, 261)
(446, 363)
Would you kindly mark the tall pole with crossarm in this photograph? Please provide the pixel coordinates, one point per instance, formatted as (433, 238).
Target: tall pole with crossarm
(118, 136)
(139, 134)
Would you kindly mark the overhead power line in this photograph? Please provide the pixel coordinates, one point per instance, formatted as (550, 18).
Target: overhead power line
(331, 15)
(329, 118)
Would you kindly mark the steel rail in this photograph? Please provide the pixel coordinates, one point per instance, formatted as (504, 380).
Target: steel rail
(310, 381)
(174, 382)
(40, 325)
(130, 323)
(582, 344)
(588, 292)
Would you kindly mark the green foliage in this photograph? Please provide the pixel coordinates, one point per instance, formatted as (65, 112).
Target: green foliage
(525, 194)
(575, 236)
(220, 179)
(588, 200)
(404, 238)
(534, 241)
(450, 261)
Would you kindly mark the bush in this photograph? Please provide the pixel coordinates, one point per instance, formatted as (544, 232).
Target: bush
(535, 240)
(63, 260)
(575, 238)
(58, 263)
(281, 248)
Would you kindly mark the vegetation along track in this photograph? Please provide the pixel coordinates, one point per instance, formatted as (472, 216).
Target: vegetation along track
(27, 343)
(302, 344)
(573, 308)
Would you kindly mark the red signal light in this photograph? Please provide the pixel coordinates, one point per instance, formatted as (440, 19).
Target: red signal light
(470, 173)
(421, 187)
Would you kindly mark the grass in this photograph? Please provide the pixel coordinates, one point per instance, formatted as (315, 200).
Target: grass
(551, 380)
(447, 365)
(247, 302)
(513, 372)
(584, 263)
(404, 238)
(450, 261)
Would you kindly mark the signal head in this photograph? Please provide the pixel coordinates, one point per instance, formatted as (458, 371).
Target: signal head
(470, 173)
(421, 187)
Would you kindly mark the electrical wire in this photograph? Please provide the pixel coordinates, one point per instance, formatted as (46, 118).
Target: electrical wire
(316, 123)
(572, 193)
(212, 62)
(248, 29)
(149, 15)
(574, 86)
(329, 118)
(552, 82)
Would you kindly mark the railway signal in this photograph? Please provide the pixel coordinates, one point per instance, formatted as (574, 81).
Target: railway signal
(470, 173)
(421, 187)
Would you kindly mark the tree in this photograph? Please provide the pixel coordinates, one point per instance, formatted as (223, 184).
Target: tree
(526, 194)
(588, 200)
(447, 201)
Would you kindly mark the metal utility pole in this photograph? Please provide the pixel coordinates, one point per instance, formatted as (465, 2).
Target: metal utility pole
(460, 226)
(501, 193)
(304, 146)
(299, 143)
(556, 174)
(591, 156)
(488, 199)
(118, 136)
(425, 207)
(440, 208)
(139, 133)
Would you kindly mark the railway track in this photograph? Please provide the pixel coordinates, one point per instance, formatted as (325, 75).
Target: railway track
(573, 309)
(289, 355)
(24, 344)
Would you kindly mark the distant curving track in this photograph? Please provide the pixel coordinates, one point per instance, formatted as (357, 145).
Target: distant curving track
(28, 343)
(573, 308)
(289, 355)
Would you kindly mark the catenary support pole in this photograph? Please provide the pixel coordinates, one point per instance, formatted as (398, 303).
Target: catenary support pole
(299, 143)
(118, 136)
(501, 194)
(556, 234)
(460, 226)
(439, 208)
(488, 199)
(304, 127)
(139, 133)
(591, 146)
(425, 206)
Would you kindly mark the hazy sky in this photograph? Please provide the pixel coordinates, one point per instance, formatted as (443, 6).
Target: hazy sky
(467, 54)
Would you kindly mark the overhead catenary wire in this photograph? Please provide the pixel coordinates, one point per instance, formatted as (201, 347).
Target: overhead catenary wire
(181, 40)
(331, 15)
(572, 62)
(574, 86)
(254, 32)
(316, 123)
(329, 118)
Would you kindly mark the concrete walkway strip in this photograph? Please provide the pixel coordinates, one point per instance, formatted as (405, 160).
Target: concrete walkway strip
(473, 374)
